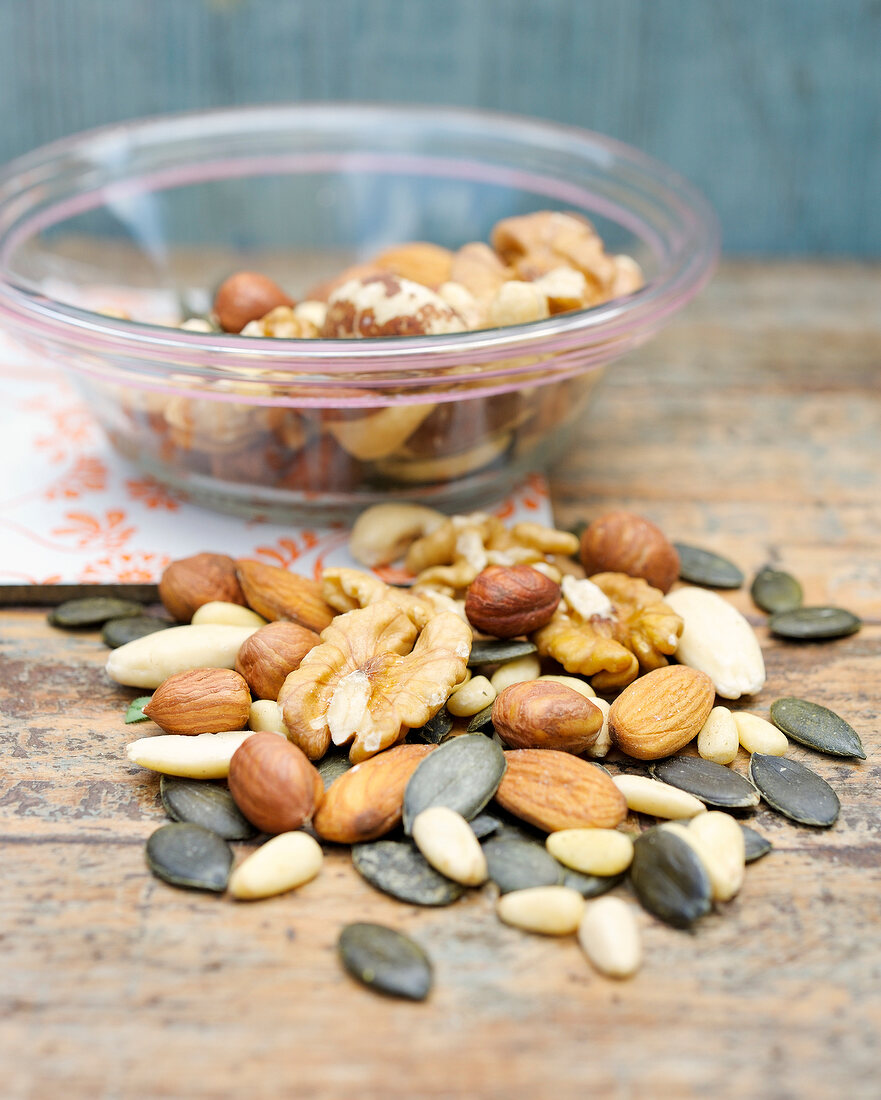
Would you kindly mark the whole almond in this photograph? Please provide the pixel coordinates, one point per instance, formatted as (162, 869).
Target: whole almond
(367, 801)
(622, 542)
(276, 593)
(203, 700)
(188, 583)
(661, 712)
(506, 601)
(273, 783)
(266, 658)
(147, 661)
(283, 863)
(555, 790)
(544, 715)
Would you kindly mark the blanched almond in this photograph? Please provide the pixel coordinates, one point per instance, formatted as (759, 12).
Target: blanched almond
(205, 756)
(147, 661)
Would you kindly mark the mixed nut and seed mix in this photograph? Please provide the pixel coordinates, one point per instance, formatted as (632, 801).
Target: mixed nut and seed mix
(450, 731)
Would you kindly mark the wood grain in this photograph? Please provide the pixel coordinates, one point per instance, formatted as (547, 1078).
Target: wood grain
(751, 427)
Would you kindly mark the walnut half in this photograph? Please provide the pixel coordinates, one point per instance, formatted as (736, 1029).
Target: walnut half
(373, 677)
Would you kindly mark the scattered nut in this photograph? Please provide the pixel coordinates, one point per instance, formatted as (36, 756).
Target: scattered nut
(650, 796)
(549, 910)
(205, 756)
(226, 614)
(758, 735)
(507, 601)
(283, 863)
(543, 715)
(516, 672)
(592, 851)
(386, 305)
(265, 717)
(418, 261)
(246, 296)
(622, 542)
(718, 740)
(276, 593)
(470, 697)
(384, 533)
(448, 843)
(661, 712)
(609, 936)
(188, 583)
(204, 700)
(147, 661)
(273, 783)
(270, 653)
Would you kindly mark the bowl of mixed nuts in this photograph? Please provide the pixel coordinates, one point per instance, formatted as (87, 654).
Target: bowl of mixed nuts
(280, 310)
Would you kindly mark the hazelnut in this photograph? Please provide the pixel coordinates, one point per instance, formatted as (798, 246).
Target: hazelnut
(541, 714)
(386, 305)
(202, 700)
(622, 542)
(273, 783)
(188, 583)
(247, 296)
(271, 653)
(507, 601)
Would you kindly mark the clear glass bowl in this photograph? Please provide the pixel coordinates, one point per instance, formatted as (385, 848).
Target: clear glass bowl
(150, 216)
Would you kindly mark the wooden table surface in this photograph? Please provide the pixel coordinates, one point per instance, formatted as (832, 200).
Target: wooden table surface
(752, 426)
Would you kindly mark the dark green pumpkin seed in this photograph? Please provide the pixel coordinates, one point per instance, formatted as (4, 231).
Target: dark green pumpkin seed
(92, 611)
(711, 783)
(117, 632)
(205, 804)
(484, 825)
(755, 845)
(463, 773)
(482, 721)
(817, 727)
(773, 590)
(332, 765)
(135, 712)
(706, 568)
(398, 868)
(591, 886)
(498, 653)
(436, 729)
(668, 878)
(189, 855)
(794, 790)
(385, 960)
(814, 623)
(519, 864)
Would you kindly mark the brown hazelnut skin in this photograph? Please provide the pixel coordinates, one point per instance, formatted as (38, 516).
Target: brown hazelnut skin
(538, 714)
(273, 783)
(266, 658)
(622, 542)
(188, 583)
(508, 600)
(247, 296)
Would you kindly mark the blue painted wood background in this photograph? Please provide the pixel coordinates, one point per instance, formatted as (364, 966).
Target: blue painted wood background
(773, 107)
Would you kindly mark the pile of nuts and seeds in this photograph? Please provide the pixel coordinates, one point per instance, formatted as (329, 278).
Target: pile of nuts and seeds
(538, 265)
(450, 731)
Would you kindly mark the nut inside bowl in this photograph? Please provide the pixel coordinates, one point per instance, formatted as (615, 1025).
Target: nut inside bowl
(147, 218)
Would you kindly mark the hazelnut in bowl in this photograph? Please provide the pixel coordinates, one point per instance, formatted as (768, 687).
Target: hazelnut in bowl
(298, 311)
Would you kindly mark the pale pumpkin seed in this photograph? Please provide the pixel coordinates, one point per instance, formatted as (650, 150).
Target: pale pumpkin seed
(755, 845)
(520, 864)
(482, 721)
(190, 855)
(92, 611)
(712, 783)
(399, 869)
(206, 804)
(135, 712)
(435, 730)
(332, 765)
(669, 879)
(591, 886)
(463, 773)
(498, 653)
(773, 590)
(794, 790)
(817, 727)
(697, 566)
(117, 632)
(814, 623)
(385, 960)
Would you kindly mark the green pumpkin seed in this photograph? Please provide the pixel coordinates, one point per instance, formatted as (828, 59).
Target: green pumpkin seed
(135, 712)
(482, 721)
(463, 773)
(332, 765)
(755, 845)
(591, 886)
(794, 790)
(817, 727)
(399, 869)
(484, 825)
(436, 729)
(519, 864)
(669, 879)
(814, 623)
(92, 611)
(706, 568)
(117, 632)
(498, 653)
(711, 783)
(773, 590)
(385, 960)
(189, 855)
(207, 804)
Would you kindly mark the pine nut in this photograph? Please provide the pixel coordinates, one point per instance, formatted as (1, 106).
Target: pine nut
(448, 843)
(758, 735)
(471, 697)
(718, 740)
(609, 936)
(592, 851)
(649, 796)
(550, 910)
(281, 864)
